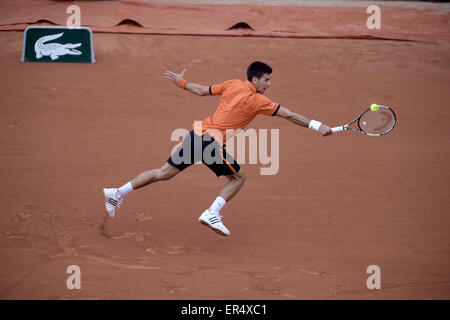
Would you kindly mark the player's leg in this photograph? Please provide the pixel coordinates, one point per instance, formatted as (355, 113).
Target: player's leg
(114, 196)
(229, 168)
(175, 164)
(166, 172)
(234, 184)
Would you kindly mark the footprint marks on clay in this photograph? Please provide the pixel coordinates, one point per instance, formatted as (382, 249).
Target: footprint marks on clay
(173, 249)
(273, 283)
(137, 236)
(32, 227)
(142, 216)
(286, 269)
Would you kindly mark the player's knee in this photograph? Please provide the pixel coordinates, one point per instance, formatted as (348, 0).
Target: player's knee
(241, 176)
(163, 174)
(167, 172)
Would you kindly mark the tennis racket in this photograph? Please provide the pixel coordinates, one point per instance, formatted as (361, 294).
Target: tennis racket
(375, 121)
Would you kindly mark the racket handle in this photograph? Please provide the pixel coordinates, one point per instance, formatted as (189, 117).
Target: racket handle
(337, 129)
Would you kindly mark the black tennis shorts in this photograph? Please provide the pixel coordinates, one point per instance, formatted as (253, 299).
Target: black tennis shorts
(195, 148)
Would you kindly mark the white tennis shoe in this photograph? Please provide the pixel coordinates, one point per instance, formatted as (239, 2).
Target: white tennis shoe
(112, 200)
(213, 220)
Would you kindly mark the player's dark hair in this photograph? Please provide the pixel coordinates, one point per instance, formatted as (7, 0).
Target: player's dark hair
(257, 69)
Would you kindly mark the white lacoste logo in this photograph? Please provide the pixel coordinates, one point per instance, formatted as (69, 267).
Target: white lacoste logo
(54, 50)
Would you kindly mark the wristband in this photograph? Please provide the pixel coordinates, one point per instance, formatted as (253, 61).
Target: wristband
(181, 83)
(313, 124)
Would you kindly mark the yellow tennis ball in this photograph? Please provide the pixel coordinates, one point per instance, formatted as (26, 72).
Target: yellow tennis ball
(374, 107)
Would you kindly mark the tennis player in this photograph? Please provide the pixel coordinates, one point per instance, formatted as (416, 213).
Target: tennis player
(240, 102)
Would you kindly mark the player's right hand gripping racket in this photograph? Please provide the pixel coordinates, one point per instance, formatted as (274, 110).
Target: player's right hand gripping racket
(375, 121)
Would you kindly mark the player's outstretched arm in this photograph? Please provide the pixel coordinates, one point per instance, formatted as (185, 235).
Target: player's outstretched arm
(303, 121)
(178, 79)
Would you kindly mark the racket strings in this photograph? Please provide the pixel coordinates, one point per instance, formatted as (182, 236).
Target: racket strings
(377, 122)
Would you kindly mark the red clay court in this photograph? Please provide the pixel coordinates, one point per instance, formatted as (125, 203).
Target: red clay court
(337, 205)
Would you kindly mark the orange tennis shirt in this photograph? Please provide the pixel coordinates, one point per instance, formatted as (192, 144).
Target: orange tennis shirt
(239, 104)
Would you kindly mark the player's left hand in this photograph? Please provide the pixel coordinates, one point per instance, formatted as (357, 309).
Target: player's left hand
(174, 77)
(325, 130)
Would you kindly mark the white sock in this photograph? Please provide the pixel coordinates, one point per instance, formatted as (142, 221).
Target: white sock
(217, 205)
(125, 189)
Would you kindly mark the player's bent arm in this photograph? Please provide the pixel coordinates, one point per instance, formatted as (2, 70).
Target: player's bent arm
(197, 89)
(303, 121)
(178, 79)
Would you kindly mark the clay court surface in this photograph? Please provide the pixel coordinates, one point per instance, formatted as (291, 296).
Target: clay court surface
(337, 205)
